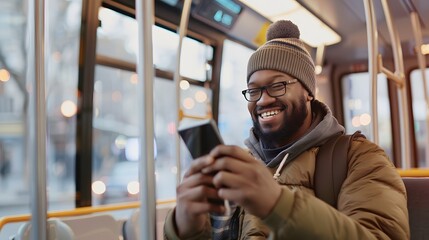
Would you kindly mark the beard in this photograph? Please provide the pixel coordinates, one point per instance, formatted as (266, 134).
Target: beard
(291, 123)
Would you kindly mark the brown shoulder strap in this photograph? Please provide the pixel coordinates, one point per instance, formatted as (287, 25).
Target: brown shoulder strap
(331, 168)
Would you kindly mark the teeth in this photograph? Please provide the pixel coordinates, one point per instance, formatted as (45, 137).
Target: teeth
(269, 114)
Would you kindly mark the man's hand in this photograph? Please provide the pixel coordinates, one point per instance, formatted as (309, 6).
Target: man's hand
(240, 178)
(193, 195)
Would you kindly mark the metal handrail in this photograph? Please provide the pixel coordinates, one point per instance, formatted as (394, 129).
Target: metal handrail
(145, 20)
(375, 66)
(399, 81)
(183, 115)
(36, 153)
(417, 31)
(372, 36)
(182, 33)
(399, 72)
(413, 172)
(79, 211)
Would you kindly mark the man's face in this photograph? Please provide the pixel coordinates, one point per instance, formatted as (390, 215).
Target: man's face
(279, 120)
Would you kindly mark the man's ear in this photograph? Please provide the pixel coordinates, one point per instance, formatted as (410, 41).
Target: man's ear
(309, 97)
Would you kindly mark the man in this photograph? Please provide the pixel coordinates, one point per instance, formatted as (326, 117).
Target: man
(289, 126)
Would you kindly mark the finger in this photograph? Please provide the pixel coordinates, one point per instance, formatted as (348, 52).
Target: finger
(207, 196)
(232, 151)
(197, 179)
(199, 193)
(225, 179)
(232, 194)
(231, 164)
(198, 164)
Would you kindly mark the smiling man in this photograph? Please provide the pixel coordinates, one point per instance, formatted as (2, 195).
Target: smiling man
(271, 184)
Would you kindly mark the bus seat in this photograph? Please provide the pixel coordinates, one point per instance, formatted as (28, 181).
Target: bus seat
(93, 226)
(131, 225)
(57, 230)
(418, 206)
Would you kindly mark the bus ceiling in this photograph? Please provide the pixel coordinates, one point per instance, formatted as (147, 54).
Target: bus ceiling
(348, 26)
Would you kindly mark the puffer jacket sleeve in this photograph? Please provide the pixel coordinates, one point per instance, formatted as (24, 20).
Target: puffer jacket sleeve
(170, 231)
(371, 205)
(253, 228)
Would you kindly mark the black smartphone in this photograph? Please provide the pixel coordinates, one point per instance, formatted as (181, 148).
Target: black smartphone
(200, 139)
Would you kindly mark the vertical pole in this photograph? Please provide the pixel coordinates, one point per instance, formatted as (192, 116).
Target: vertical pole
(372, 35)
(399, 71)
(417, 31)
(37, 129)
(84, 116)
(145, 72)
(182, 33)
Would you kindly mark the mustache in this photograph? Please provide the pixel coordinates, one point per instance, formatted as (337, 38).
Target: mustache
(274, 105)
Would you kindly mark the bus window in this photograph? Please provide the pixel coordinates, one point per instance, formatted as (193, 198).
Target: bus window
(114, 124)
(234, 120)
(117, 38)
(115, 107)
(194, 56)
(13, 164)
(356, 90)
(115, 129)
(195, 100)
(16, 92)
(194, 59)
(420, 114)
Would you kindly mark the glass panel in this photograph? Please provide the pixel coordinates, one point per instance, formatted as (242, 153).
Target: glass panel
(117, 38)
(114, 141)
(13, 164)
(356, 91)
(116, 128)
(61, 88)
(115, 122)
(61, 102)
(13, 100)
(165, 44)
(195, 100)
(165, 132)
(195, 56)
(198, 100)
(420, 115)
(234, 119)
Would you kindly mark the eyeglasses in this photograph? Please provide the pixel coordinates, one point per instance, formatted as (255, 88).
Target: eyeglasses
(274, 90)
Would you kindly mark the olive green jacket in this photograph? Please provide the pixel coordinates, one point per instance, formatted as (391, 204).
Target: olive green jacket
(372, 203)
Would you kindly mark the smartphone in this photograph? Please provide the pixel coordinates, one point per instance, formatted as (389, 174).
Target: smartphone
(200, 139)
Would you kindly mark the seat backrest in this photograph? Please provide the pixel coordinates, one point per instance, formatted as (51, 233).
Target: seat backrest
(131, 229)
(418, 206)
(93, 226)
(57, 230)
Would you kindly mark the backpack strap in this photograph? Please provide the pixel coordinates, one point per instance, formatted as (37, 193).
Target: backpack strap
(331, 167)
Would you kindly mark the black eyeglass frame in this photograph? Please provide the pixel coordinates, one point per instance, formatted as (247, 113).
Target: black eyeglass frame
(267, 87)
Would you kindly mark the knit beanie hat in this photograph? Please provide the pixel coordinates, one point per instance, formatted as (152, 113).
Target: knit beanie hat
(284, 52)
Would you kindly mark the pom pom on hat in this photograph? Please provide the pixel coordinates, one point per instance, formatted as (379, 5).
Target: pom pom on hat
(282, 29)
(284, 52)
